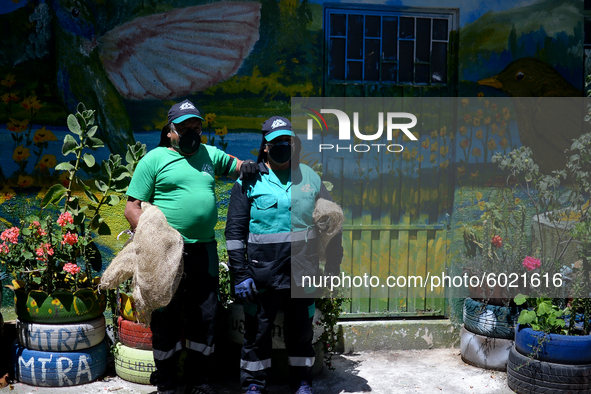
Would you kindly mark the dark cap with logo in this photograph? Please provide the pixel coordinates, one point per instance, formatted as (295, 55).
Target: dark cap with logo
(276, 126)
(178, 113)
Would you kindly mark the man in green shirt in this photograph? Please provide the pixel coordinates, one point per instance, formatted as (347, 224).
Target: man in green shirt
(179, 178)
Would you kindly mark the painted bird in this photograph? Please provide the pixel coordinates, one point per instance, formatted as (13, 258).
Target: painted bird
(550, 110)
(160, 56)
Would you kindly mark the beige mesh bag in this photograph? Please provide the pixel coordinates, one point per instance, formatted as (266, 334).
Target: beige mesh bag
(328, 217)
(154, 258)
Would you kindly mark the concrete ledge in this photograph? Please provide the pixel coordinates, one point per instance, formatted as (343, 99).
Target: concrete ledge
(398, 335)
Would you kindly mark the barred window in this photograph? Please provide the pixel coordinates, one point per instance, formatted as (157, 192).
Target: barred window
(387, 46)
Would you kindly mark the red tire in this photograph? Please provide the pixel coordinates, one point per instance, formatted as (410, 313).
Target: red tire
(134, 335)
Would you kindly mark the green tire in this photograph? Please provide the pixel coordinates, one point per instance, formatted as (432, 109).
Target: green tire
(134, 365)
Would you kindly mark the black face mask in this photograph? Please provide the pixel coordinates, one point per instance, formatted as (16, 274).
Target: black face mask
(189, 142)
(281, 152)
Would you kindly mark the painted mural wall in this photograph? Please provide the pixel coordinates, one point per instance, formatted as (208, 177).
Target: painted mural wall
(241, 62)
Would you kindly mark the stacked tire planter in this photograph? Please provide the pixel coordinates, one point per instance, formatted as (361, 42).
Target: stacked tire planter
(60, 338)
(487, 335)
(134, 360)
(549, 363)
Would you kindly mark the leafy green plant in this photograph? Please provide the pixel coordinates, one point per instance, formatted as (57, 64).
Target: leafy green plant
(543, 314)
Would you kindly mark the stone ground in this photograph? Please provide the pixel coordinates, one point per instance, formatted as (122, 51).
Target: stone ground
(378, 372)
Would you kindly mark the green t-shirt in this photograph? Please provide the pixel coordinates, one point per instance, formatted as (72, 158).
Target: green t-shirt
(183, 188)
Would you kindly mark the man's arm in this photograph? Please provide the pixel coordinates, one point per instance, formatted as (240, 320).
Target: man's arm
(236, 173)
(133, 210)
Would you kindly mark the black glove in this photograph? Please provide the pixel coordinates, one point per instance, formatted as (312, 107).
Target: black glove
(248, 169)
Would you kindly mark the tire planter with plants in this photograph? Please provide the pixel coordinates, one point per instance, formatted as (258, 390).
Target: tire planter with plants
(59, 369)
(553, 348)
(134, 335)
(134, 365)
(526, 375)
(61, 337)
(484, 352)
(490, 320)
(59, 306)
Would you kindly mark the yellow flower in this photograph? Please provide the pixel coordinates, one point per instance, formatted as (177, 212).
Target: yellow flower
(222, 131)
(492, 144)
(463, 130)
(486, 102)
(504, 143)
(395, 133)
(494, 128)
(481, 205)
(8, 97)
(479, 134)
(55, 301)
(420, 158)
(49, 311)
(443, 150)
(20, 153)
(434, 134)
(9, 81)
(425, 144)
(502, 132)
(406, 154)
(479, 196)
(465, 102)
(517, 200)
(47, 162)
(43, 135)
(433, 158)
(476, 122)
(505, 111)
(33, 303)
(415, 133)
(474, 174)
(507, 116)
(31, 103)
(443, 131)
(210, 118)
(476, 152)
(414, 152)
(479, 113)
(461, 171)
(444, 164)
(17, 126)
(204, 139)
(295, 60)
(25, 181)
(480, 94)
(434, 147)
(487, 120)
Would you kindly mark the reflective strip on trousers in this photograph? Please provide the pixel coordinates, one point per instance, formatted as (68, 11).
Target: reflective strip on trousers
(160, 355)
(281, 237)
(301, 361)
(234, 244)
(200, 347)
(255, 365)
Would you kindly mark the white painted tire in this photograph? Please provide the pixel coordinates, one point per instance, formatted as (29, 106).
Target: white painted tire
(61, 337)
(484, 352)
(134, 365)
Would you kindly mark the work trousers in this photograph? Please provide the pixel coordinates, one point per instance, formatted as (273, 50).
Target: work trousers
(191, 315)
(297, 330)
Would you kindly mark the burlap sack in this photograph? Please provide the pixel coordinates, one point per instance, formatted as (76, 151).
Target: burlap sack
(328, 217)
(155, 259)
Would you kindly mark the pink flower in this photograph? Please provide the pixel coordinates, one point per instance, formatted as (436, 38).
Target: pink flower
(4, 248)
(42, 250)
(40, 231)
(71, 268)
(531, 263)
(70, 238)
(11, 235)
(64, 219)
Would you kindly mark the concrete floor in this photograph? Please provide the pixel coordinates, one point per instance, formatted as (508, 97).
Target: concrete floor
(378, 372)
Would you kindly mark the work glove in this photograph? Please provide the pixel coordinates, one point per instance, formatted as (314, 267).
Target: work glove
(248, 169)
(246, 290)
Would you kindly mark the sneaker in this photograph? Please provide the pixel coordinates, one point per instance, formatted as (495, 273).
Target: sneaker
(202, 389)
(305, 388)
(253, 389)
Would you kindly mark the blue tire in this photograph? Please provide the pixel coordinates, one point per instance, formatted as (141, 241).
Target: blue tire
(553, 348)
(59, 369)
(490, 320)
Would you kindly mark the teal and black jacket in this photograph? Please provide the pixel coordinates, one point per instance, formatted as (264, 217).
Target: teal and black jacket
(270, 233)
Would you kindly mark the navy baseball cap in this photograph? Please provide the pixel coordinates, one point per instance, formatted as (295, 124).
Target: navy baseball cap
(276, 126)
(182, 111)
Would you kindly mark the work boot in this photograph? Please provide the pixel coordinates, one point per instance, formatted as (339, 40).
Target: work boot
(305, 388)
(201, 389)
(253, 389)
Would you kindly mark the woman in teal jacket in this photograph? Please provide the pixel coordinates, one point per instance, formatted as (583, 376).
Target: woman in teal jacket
(272, 242)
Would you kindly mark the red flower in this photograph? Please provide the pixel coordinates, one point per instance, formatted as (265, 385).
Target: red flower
(64, 219)
(70, 238)
(531, 263)
(497, 241)
(71, 268)
(11, 235)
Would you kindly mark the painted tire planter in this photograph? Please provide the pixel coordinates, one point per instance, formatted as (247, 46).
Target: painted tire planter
(60, 306)
(553, 348)
(490, 320)
(59, 369)
(526, 375)
(134, 365)
(61, 337)
(484, 352)
(134, 335)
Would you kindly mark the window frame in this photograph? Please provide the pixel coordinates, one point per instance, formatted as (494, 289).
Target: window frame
(451, 14)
